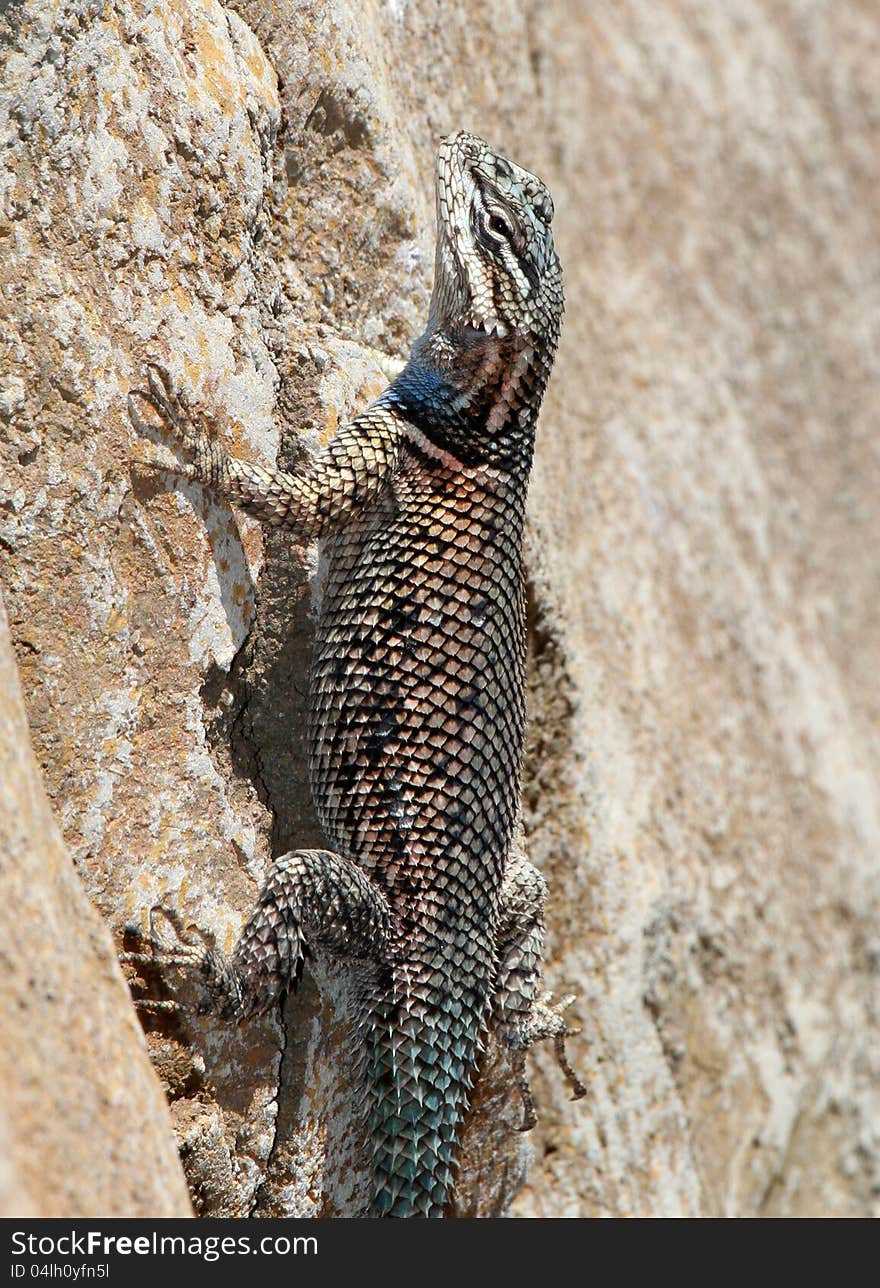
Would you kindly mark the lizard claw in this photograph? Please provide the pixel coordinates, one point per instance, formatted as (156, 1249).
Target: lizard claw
(169, 402)
(153, 1006)
(159, 394)
(563, 1031)
(188, 947)
(555, 1027)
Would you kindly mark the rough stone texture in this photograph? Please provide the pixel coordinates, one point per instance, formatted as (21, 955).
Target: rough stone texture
(76, 1087)
(248, 196)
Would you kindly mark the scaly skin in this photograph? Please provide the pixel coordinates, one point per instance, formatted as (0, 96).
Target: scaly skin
(417, 689)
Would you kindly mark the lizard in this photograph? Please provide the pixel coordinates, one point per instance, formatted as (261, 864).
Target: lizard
(416, 697)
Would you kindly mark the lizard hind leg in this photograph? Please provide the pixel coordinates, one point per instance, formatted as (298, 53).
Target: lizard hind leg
(311, 897)
(520, 1016)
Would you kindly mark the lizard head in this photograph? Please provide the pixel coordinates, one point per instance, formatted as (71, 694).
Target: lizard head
(496, 270)
(477, 374)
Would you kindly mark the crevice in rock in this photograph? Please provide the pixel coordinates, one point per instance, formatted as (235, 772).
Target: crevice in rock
(258, 1202)
(552, 803)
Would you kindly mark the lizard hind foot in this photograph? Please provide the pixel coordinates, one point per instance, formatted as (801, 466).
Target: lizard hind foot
(186, 946)
(546, 1020)
(160, 395)
(172, 944)
(550, 1016)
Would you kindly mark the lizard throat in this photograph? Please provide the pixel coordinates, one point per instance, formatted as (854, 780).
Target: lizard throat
(479, 412)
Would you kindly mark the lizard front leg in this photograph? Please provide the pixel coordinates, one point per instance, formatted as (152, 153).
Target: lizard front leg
(350, 471)
(311, 897)
(519, 1016)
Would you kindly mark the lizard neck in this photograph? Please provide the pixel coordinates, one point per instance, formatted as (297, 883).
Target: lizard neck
(475, 394)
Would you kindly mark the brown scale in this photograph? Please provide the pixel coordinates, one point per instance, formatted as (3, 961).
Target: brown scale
(416, 708)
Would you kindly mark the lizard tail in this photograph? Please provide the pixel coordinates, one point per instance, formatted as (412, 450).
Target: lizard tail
(420, 1066)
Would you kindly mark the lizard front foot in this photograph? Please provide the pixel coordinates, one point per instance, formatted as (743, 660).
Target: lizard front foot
(189, 430)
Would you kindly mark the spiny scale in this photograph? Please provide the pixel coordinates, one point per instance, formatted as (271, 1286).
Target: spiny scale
(416, 696)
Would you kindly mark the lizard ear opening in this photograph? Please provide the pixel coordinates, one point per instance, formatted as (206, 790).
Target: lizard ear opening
(542, 204)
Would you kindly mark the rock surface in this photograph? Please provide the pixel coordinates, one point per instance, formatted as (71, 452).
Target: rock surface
(84, 1127)
(246, 195)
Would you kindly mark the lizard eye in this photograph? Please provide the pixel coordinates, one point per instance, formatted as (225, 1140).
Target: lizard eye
(498, 225)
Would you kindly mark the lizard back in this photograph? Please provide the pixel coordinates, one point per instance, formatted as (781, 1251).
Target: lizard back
(415, 738)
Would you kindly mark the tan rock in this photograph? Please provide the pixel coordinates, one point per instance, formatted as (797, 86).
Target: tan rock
(84, 1127)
